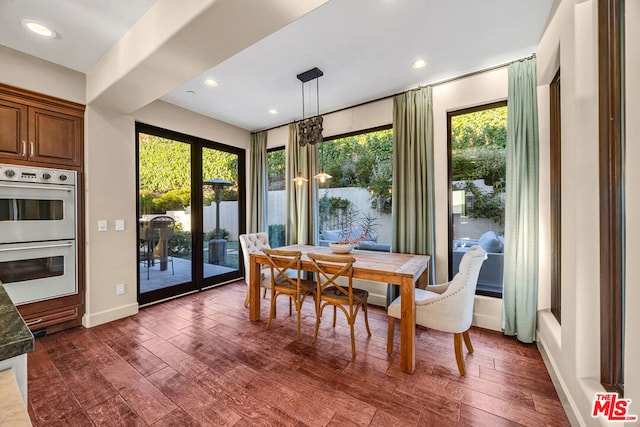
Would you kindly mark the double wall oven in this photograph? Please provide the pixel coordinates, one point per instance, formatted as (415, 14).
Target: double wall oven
(38, 256)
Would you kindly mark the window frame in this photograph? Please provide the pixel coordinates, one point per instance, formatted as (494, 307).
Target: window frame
(198, 281)
(450, 115)
(611, 183)
(555, 195)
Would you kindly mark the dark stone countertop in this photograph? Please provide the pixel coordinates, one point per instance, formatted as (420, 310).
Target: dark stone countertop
(15, 336)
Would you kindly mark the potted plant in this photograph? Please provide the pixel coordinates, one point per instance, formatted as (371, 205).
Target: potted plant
(353, 231)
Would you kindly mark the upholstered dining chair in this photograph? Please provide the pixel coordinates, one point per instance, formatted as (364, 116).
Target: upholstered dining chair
(252, 243)
(349, 299)
(281, 262)
(447, 307)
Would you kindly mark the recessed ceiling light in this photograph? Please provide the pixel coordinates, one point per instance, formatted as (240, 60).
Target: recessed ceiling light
(419, 63)
(211, 83)
(273, 111)
(38, 28)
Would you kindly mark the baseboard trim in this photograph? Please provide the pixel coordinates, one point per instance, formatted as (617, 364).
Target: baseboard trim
(568, 402)
(487, 313)
(90, 320)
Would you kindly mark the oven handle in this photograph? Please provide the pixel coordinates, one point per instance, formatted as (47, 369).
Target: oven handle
(39, 187)
(25, 248)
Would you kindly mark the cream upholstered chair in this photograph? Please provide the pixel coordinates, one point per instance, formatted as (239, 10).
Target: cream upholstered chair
(447, 307)
(252, 243)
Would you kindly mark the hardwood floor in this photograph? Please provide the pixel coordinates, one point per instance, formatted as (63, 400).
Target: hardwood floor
(197, 360)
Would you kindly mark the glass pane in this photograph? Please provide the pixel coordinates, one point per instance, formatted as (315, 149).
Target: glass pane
(31, 269)
(31, 210)
(277, 203)
(478, 170)
(220, 214)
(165, 214)
(355, 204)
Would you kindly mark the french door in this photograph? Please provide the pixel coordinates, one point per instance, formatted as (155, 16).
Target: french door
(191, 210)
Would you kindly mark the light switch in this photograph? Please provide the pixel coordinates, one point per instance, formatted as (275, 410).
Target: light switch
(119, 224)
(102, 225)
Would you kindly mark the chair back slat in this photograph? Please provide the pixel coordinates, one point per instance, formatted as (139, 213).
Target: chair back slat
(282, 260)
(330, 267)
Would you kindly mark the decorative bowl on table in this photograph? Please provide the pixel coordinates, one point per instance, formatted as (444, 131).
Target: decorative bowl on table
(341, 248)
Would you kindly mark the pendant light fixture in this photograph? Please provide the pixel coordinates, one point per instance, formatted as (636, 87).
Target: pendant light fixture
(322, 176)
(300, 180)
(310, 128)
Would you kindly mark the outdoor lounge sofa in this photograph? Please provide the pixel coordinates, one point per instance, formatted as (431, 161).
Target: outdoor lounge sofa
(491, 273)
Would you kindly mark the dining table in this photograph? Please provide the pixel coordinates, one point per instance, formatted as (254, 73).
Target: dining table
(404, 270)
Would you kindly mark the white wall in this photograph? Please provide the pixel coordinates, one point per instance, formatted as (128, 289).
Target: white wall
(573, 349)
(28, 72)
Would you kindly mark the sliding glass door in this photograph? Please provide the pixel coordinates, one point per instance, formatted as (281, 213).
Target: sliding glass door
(190, 213)
(220, 210)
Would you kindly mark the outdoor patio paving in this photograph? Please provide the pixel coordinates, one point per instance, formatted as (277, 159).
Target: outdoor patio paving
(162, 279)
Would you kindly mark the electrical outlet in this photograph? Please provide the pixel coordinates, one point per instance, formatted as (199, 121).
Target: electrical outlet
(120, 289)
(102, 225)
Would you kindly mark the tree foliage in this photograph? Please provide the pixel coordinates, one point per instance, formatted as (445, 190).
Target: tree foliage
(478, 151)
(481, 129)
(351, 161)
(165, 173)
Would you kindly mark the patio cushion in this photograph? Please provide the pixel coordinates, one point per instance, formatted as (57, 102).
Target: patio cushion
(490, 243)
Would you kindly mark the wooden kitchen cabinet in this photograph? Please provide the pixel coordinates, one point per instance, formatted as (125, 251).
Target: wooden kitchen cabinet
(42, 131)
(39, 128)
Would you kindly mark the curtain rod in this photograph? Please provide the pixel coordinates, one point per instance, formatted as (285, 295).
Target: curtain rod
(472, 73)
(438, 83)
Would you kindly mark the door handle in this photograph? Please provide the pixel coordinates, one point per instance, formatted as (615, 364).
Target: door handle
(24, 148)
(31, 146)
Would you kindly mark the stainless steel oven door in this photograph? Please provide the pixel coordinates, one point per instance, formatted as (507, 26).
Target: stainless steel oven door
(36, 212)
(37, 271)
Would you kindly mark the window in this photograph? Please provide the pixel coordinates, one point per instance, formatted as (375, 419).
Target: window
(277, 202)
(477, 172)
(361, 169)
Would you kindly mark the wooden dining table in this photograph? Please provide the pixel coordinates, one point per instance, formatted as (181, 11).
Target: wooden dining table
(404, 270)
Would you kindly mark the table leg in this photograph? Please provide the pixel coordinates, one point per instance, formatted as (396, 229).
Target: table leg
(254, 289)
(407, 326)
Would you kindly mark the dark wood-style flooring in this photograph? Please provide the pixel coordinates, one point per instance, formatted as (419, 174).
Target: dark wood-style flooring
(198, 360)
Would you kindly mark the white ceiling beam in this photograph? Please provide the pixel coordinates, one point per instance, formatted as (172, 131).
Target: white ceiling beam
(177, 41)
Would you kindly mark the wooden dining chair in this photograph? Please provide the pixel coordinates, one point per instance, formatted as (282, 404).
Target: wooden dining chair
(329, 292)
(281, 263)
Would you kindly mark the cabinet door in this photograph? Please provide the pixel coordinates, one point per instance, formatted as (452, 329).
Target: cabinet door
(54, 137)
(13, 130)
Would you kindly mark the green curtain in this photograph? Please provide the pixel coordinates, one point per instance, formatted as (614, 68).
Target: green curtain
(301, 200)
(520, 294)
(413, 190)
(258, 189)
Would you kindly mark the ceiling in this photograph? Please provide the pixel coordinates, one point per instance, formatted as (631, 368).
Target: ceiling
(364, 47)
